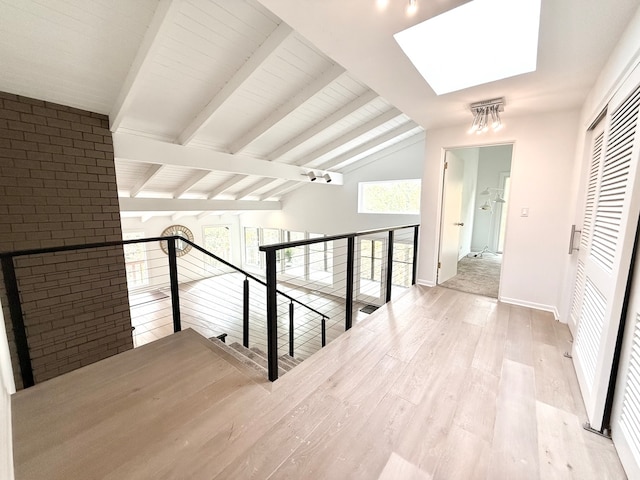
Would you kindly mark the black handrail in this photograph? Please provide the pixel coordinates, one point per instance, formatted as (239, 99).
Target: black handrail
(252, 277)
(115, 243)
(17, 318)
(310, 241)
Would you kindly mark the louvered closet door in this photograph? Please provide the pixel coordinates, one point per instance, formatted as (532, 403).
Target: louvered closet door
(625, 420)
(611, 214)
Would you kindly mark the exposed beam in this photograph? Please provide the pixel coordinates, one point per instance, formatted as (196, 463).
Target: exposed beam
(283, 111)
(371, 144)
(161, 21)
(280, 188)
(190, 182)
(142, 149)
(335, 117)
(268, 47)
(226, 185)
(192, 205)
(145, 218)
(151, 172)
(350, 136)
(252, 188)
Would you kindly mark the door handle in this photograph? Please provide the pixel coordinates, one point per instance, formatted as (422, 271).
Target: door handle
(572, 238)
(459, 224)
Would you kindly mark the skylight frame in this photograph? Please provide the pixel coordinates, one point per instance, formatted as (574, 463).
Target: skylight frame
(476, 43)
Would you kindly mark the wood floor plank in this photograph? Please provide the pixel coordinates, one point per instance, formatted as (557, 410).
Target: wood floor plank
(514, 452)
(471, 466)
(519, 343)
(542, 328)
(561, 447)
(476, 409)
(551, 380)
(397, 467)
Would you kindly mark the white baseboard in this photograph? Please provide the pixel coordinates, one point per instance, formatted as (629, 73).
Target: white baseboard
(537, 306)
(425, 283)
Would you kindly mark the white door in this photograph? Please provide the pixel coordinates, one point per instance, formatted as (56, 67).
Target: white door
(625, 419)
(451, 217)
(611, 213)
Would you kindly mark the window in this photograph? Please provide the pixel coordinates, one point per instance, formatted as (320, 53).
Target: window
(294, 257)
(320, 260)
(251, 244)
(217, 240)
(135, 259)
(395, 197)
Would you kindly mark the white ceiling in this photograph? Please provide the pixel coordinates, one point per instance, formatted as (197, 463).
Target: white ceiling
(216, 105)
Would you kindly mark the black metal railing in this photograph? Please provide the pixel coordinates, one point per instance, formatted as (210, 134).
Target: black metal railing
(12, 281)
(348, 259)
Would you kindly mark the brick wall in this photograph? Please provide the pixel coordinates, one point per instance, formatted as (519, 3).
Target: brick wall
(58, 187)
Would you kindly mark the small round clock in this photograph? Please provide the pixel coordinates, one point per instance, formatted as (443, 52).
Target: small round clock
(182, 248)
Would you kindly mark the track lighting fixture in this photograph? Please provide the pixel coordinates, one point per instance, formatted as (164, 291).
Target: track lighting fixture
(312, 176)
(327, 177)
(485, 110)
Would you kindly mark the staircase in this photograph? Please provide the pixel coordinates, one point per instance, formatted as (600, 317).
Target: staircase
(255, 358)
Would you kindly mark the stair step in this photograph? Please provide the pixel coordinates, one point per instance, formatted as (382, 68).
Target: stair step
(257, 358)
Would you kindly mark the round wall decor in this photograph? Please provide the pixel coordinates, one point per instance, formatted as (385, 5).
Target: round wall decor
(182, 248)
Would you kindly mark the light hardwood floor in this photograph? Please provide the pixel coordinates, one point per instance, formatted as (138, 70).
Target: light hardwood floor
(438, 384)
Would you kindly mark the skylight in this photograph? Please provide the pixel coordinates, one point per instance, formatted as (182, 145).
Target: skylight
(478, 42)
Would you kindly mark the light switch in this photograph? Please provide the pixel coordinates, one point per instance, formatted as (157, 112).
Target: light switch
(524, 212)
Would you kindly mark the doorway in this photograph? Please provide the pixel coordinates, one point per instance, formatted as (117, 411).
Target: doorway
(477, 182)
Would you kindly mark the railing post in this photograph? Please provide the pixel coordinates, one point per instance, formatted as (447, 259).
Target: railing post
(291, 326)
(17, 321)
(173, 279)
(348, 322)
(323, 336)
(389, 267)
(245, 314)
(272, 316)
(414, 273)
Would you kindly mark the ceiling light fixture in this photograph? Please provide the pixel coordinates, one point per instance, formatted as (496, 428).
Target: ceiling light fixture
(411, 9)
(327, 177)
(482, 111)
(312, 176)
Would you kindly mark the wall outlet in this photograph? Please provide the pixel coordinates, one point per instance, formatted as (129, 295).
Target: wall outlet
(524, 212)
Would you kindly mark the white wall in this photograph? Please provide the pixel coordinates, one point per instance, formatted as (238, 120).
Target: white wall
(322, 208)
(493, 161)
(622, 60)
(7, 387)
(542, 168)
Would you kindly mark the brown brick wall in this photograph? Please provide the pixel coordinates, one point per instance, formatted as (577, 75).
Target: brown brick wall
(58, 187)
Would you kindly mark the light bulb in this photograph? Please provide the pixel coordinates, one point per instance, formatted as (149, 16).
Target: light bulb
(412, 8)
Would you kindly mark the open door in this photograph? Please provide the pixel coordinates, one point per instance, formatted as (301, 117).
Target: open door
(451, 217)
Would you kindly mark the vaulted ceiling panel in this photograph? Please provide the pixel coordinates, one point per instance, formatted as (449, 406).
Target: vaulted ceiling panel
(284, 74)
(73, 52)
(327, 101)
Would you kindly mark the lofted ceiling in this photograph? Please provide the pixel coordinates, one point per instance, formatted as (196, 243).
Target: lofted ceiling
(225, 105)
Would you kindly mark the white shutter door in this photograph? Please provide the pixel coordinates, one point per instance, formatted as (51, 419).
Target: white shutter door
(625, 420)
(609, 240)
(593, 182)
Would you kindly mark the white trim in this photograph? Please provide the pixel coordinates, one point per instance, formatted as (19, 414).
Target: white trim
(537, 306)
(425, 283)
